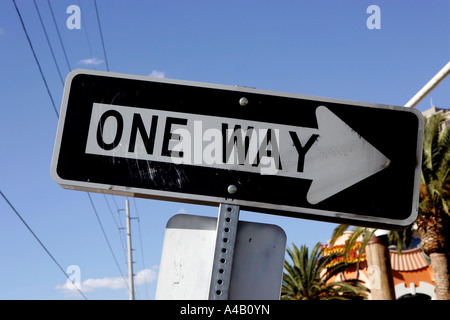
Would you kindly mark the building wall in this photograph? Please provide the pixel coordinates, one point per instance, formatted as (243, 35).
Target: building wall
(435, 110)
(412, 274)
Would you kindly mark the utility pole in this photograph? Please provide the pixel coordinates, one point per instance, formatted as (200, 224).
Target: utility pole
(130, 252)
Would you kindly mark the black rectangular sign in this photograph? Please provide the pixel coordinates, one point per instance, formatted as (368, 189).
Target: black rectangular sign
(279, 153)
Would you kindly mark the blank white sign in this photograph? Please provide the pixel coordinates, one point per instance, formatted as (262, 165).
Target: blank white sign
(187, 259)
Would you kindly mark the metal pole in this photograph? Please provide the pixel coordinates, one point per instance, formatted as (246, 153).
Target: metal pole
(227, 223)
(445, 71)
(130, 252)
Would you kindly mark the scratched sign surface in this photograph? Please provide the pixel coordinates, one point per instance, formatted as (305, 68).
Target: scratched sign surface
(296, 155)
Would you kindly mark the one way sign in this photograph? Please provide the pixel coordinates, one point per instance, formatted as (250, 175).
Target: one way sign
(302, 156)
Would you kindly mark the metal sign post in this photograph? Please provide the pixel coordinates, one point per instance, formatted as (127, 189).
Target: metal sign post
(223, 253)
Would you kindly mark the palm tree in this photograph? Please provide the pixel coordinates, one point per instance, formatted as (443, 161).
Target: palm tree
(308, 277)
(433, 221)
(365, 233)
(399, 238)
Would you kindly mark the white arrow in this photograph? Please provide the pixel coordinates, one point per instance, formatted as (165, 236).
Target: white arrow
(333, 155)
(339, 158)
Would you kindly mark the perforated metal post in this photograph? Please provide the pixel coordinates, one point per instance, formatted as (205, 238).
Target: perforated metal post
(227, 223)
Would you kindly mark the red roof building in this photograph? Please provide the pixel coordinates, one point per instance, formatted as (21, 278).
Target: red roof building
(413, 276)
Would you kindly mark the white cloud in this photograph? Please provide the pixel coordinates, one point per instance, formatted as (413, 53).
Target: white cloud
(157, 74)
(145, 276)
(91, 61)
(108, 283)
(112, 283)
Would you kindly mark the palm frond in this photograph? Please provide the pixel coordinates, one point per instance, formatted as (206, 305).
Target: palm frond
(337, 232)
(351, 241)
(308, 276)
(401, 238)
(435, 176)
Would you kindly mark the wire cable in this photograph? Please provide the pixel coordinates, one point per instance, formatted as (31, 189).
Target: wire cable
(35, 58)
(42, 245)
(59, 35)
(119, 228)
(84, 27)
(57, 114)
(101, 35)
(106, 238)
(48, 42)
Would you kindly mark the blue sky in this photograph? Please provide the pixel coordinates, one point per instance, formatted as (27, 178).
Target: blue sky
(320, 48)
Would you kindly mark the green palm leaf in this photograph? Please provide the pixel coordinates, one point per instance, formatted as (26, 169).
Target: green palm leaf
(308, 277)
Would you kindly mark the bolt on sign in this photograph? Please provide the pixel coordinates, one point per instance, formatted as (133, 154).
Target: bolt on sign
(278, 153)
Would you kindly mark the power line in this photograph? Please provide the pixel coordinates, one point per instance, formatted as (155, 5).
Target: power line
(59, 35)
(84, 27)
(106, 238)
(119, 228)
(68, 65)
(101, 35)
(35, 57)
(40, 242)
(57, 114)
(48, 42)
